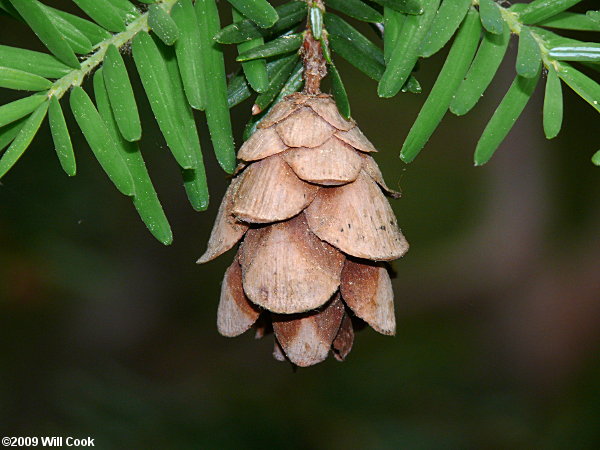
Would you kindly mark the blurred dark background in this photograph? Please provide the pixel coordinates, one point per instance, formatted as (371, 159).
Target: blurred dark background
(106, 333)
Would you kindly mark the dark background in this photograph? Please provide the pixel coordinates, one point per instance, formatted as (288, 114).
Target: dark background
(106, 333)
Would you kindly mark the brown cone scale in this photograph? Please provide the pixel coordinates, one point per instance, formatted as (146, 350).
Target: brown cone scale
(357, 219)
(309, 208)
(287, 269)
(355, 138)
(327, 109)
(261, 144)
(342, 344)
(306, 339)
(330, 164)
(372, 169)
(227, 230)
(293, 130)
(282, 110)
(367, 290)
(235, 314)
(270, 191)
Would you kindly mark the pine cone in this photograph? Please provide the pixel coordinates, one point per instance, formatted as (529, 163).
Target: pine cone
(316, 228)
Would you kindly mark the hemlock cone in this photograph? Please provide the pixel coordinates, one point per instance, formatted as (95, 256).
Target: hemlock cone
(309, 204)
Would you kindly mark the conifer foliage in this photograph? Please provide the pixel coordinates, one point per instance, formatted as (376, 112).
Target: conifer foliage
(177, 51)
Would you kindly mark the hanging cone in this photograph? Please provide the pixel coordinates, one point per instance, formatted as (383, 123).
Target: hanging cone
(310, 210)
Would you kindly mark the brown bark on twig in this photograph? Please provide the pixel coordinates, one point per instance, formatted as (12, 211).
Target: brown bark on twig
(312, 55)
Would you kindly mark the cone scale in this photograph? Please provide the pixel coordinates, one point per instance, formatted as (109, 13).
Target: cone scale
(313, 228)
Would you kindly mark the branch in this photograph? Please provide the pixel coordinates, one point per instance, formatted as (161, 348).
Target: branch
(76, 77)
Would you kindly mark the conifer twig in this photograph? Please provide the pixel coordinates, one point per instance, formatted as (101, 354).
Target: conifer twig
(312, 54)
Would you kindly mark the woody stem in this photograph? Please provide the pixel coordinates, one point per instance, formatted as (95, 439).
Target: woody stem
(312, 52)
